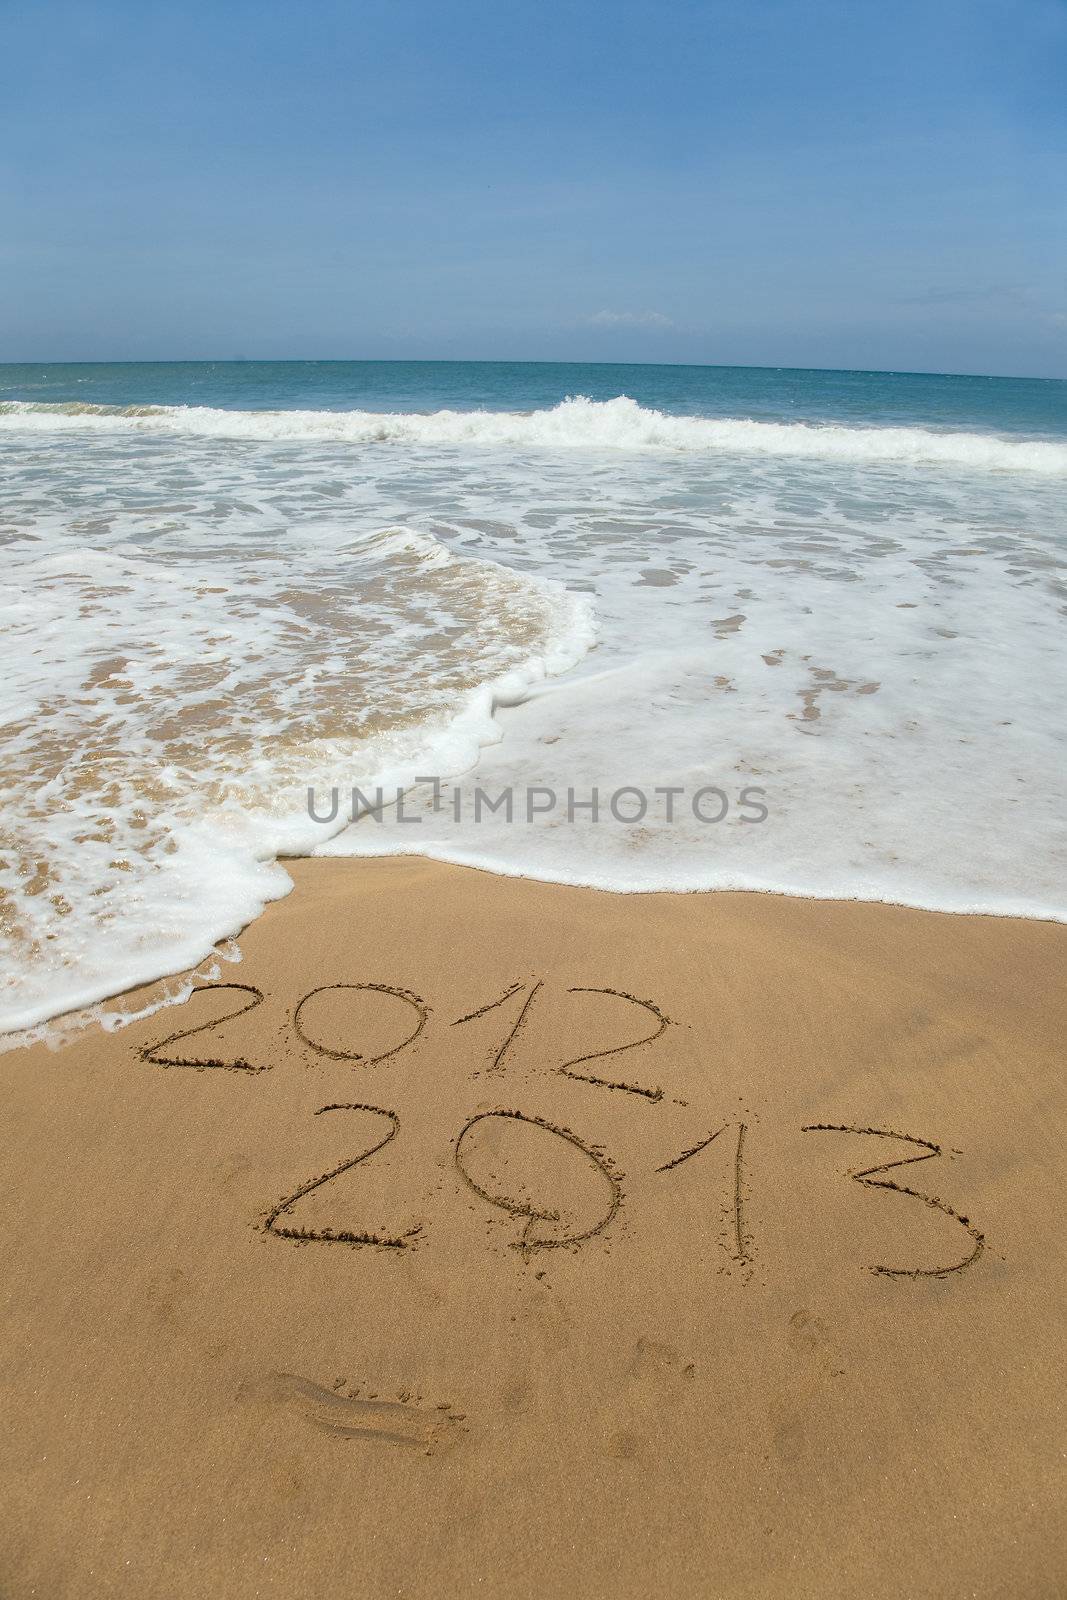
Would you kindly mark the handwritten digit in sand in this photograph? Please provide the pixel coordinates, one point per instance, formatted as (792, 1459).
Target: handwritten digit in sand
(741, 1248)
(329, 1235)
(420, 1008)
(353, 1417)
(662, 1022)
(870, 1179)
(150, 1052)
(740, 1236)
(497, 1063)
(519, 1205)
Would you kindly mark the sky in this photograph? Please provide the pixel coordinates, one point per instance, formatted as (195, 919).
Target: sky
(757, 182)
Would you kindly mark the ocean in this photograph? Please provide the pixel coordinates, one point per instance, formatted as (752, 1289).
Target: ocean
(637, 627)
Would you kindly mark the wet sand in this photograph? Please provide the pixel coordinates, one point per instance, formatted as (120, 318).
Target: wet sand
(514, 1240)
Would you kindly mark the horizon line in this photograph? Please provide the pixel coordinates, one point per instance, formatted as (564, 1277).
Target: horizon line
(504, 361)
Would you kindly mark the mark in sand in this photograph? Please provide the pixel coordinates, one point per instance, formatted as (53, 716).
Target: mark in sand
(421, 1009)
(524, 1209)
(497, 1063)
(741, 1245)
(870, 1179)
(662, 1023)
(694, 1150)
(352, 1417)
(150, 1052)
(329, 1235)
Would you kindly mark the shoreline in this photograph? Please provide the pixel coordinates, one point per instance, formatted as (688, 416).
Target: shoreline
(647, 1232)
(63, 1028)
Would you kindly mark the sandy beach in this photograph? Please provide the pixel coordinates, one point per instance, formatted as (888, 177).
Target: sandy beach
(475, 1235)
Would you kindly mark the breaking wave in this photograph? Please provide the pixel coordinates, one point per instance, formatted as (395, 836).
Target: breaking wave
(574, 424)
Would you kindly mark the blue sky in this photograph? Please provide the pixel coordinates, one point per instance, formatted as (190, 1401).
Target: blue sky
(768, 182)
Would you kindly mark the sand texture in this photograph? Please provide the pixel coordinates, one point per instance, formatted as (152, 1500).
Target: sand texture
(479, 1236)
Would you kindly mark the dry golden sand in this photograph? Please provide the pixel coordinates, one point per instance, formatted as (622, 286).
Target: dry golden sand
(708, 1391)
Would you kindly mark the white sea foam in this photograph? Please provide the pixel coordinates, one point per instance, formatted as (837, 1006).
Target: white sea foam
(195, 626)
(164, 716)
(578, 423)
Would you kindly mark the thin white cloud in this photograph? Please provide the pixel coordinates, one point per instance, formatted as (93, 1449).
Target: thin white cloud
(1058, 319)
(629, 319)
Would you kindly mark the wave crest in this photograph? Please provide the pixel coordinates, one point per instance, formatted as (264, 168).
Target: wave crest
(576, 423)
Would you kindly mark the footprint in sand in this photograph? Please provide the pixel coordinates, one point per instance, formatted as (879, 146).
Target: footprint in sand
(657, 1380)
(809, 1336)
(352, 1417)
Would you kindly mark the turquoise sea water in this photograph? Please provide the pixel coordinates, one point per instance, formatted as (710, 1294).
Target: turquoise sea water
(226, 583)
(1035, 408)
